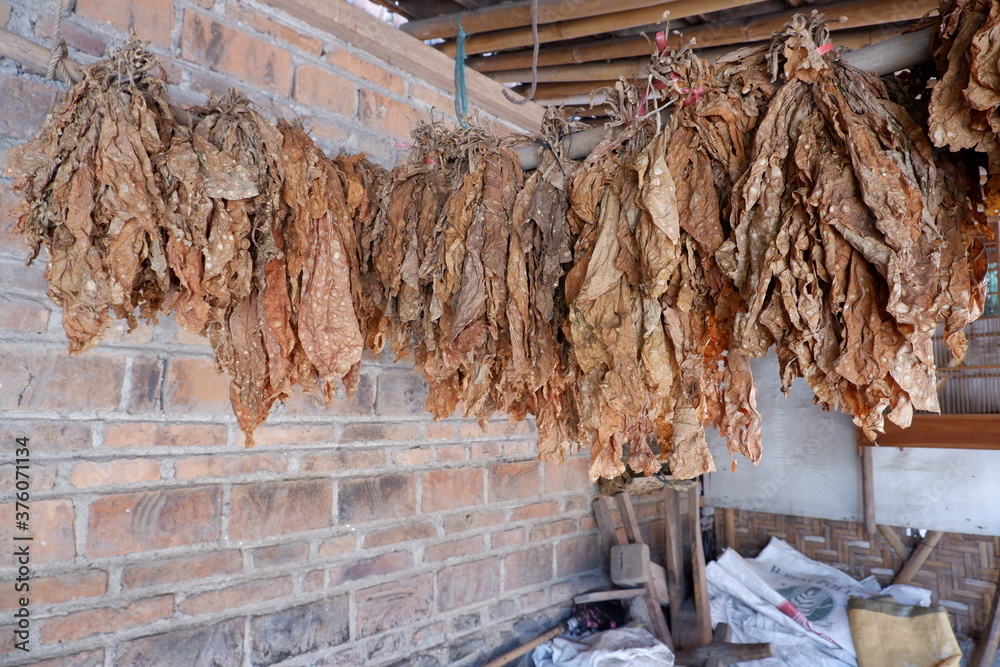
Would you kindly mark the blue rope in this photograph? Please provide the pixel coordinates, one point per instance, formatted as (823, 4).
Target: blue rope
(461, 94)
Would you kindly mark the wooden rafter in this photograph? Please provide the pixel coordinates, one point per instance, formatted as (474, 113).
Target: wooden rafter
(594, 25)
(859, 13)
(514, 15)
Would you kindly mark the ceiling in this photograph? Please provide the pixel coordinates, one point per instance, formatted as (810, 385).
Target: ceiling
(585, 44)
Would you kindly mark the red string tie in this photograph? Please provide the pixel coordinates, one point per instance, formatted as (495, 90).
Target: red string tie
(824, 48)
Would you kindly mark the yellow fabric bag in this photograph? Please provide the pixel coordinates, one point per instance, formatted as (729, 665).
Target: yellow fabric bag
(889, 634)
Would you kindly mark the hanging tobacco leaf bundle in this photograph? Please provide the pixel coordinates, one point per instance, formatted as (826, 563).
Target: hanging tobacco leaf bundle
(710, 137)
(624, 213)
(851, 240)
(92, 195)
(965, 102)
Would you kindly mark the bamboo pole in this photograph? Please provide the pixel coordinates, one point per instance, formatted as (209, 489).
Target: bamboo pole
(860, 14)
(548, 91)
(514, 15)
(919, 556)
(554, 32)
(882, 58)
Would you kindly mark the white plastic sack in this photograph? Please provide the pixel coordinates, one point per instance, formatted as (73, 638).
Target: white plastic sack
(620, 647)
(797, 604)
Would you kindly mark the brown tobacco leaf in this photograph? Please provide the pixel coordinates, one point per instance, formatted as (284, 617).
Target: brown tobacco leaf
(93, 195)
(851, 240)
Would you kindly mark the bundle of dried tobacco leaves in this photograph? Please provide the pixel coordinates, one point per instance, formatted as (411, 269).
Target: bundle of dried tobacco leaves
(965, 102)
(93, 195)
(851, 239)
(469, 260)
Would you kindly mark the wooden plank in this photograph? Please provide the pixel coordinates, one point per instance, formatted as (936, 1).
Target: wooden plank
(703, 612)
(868, 490)
(606, 525)
(515, 14)
(725, 654)
(604, 596)
(629, 68)
(986, 650)
(723, 634)
(860, 14)
(944, 432)
(729, 528)
(524, 648)
(356, 27)
(657, 622)
(892, 537)
(627, 514)
(674, 558)
(34, 57)
(594, 25)
(916, 560)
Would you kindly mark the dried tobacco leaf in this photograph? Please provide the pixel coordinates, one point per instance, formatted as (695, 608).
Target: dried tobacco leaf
(93, 195)
(850, 239)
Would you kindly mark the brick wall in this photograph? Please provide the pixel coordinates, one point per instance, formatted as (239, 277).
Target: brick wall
(357, 533)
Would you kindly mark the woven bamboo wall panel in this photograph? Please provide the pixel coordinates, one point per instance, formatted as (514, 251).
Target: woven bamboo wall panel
(962, 572)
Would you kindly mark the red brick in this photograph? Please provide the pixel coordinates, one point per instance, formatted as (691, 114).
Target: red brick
(405, 533)
(433, 99)
(151, 19)
(316, 87)
(189, 568)
(570, 476)
(389, 606)
(535, 511)
(50, 437)
(146, 434)
(456, 549)
(197, 467)
(439, 431)
(57, 589)
(400, 393)
(218, 645)
(251, 60)
(239, 595)
(279, 508)
(10, 241)
(85, 659)
(374, 498)
(34, 379)
(335, 546)
(485, 450)
(587, 523)
(469, 430)
(24, 103)
(468, 583)
(358, 405)
(452, 489)
(294, 434)
(263, 24)
(521, 448)
(50, 524)
(547, 531)
(129, 522)
(4, 13)
(342, 460)
(525, 568)
(514, 481)
(495, 429)
(108, 473)
(75, 35)
(370, 432)
(412, 457)
(119, 332)
(366, 70)
(472, 520)
(577, 504)
(41, 477)
(313, 581)
(449, 453)
(147, 384)
(396, 561)
(386, 115)
(327, 134)
(578, 554)
(278, 555)
(108, 619)
(300, 630)
(19, 314)
(508, 538)
(193, 385)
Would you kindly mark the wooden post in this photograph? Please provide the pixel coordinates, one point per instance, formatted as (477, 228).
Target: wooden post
(699, 579)
(868, 489)
(674, 558)
(916, 560)
(627, 515)
(986, 651)
(728, 528)
(892, 538)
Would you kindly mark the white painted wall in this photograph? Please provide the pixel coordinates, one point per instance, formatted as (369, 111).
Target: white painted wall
(811, 468)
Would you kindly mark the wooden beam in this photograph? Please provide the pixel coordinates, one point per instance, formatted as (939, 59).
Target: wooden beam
(594, 25)
(515, 14)
(725, 653)
(892, 537)
(627, 515)
(354, 26)
(34, 57)
(944, 432)
(916, 560)
(699, 578)
(552, 91)
(584, 72)
(860, 14)
(674, 558)
(604, 596)
(868, 490)
(986, 650)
